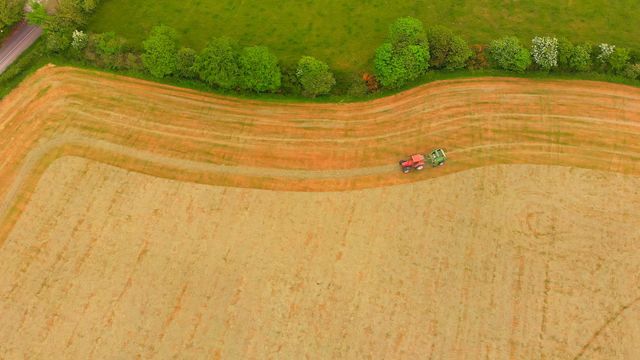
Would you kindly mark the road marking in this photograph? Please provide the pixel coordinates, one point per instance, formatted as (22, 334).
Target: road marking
(11, 52)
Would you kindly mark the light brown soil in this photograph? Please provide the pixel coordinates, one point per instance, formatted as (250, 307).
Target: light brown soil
(147, 258)
(491, 266)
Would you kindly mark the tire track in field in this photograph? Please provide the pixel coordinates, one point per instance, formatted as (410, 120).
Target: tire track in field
(608, 322)
(76, 139)
(167, 131)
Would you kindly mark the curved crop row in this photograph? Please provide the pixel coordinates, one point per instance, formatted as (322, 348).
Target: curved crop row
(190, 136)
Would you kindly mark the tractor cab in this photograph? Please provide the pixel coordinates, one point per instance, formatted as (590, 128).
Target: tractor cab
(415, 161)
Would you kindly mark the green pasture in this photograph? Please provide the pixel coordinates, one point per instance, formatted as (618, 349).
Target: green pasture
(345, 32)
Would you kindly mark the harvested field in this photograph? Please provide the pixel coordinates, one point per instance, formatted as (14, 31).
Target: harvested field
(143, 220)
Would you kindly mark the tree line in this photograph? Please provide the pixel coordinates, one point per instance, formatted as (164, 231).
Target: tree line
(409, 51)
(224, 64)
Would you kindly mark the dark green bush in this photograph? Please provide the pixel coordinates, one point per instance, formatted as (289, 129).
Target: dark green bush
(619, 59)
(580, 58)
(38, 14)
(10, 12)
(407, 31)
(405, 56)
(217, 64)
(106, 50)
(160, 51)
(446, 50)
(395, 67)
(508, 54)
(314, 76)
(185, 61)
(259, 70)
(565, 50)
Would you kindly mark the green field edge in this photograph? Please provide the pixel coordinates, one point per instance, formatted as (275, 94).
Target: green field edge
(31, 62)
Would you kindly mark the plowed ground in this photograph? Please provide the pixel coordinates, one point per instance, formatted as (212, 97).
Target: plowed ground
(140, 220)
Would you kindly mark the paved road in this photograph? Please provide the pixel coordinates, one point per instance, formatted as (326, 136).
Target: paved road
(23, 36)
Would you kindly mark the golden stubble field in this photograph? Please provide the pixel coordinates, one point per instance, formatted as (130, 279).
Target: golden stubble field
(486, 263)
(119, 245)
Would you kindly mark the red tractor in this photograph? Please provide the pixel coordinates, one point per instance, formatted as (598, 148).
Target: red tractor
(415, 161)
(437, 157)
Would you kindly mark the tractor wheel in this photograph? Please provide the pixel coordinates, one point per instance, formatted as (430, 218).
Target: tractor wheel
(440, 164)
(406, 170)
(419, 167)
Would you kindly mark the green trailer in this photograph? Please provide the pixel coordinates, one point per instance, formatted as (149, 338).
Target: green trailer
(437, 157)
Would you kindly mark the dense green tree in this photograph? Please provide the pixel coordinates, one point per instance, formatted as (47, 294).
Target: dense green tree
(508, 54)
(314, 76)
(405, 56)
(108, 43)
(394, 67)
(580, 58)
(407, 31)
(37, 15)
(259, 70)
(217, 64)
(565, 49)
(69, 15)
(185, 60)
(58, 27)
(57, 35)
(446, 50)
(619, 59)
(56, 42)
(459, 54)
(10, 12)
(106, 49)
(160, 50)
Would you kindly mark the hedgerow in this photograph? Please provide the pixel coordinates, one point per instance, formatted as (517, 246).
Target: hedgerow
(408, 53)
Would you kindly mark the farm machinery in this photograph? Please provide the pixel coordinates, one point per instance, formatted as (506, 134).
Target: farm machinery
(417, 162)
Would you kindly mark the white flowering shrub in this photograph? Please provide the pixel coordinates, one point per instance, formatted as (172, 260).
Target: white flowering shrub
(80, 39)
(606, 50)
(545, 51)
